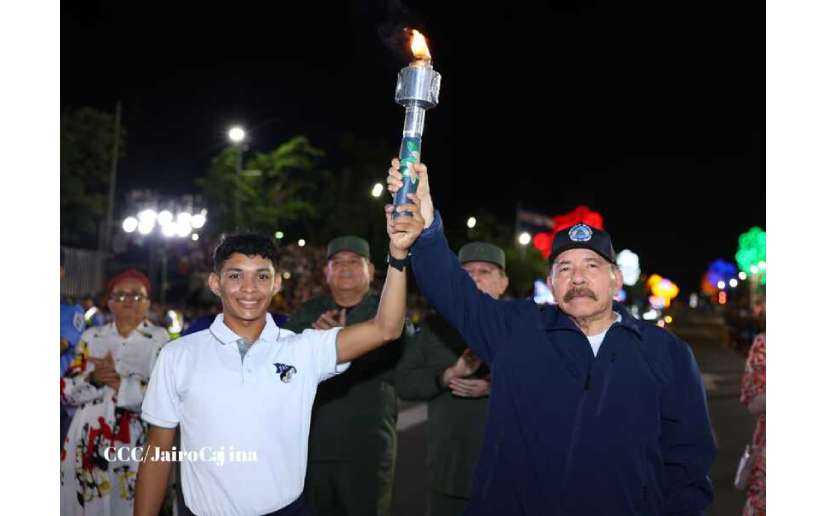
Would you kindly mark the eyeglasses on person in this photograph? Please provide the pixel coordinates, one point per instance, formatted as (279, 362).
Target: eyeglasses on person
(121, 297)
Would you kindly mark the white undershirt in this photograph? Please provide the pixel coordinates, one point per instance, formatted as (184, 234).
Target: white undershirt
(596, 340)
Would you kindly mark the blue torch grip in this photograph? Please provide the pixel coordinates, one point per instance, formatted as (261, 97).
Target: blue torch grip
(410, 153)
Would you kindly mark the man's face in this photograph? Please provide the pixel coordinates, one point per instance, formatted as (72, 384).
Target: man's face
(583, 283)
(489, 277)
(128, 301)
(347, 272)
(245, 285)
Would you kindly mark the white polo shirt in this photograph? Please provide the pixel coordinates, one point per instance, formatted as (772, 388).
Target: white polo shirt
(259, 405)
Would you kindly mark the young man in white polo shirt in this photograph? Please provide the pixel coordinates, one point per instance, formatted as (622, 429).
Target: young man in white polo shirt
(242, 391)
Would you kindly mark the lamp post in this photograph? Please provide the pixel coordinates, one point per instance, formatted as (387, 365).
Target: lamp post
(237, 136)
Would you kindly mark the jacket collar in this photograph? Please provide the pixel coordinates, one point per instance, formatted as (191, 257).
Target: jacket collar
(225, 335)
(552, 318)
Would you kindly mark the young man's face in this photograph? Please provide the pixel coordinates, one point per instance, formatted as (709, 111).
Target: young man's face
(584, 283)
(245, 285)
(123, 303)
(347, 271)
(489, 278)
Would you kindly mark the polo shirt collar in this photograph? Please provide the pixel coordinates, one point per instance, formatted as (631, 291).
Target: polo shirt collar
(226, 336)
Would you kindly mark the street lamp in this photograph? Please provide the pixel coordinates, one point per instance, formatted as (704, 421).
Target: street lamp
(377, 190)
(471, 222)
(524, 238)
(237, 135)
(130, 224)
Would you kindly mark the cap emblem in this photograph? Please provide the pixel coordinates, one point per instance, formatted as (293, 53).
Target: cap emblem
(580, 233)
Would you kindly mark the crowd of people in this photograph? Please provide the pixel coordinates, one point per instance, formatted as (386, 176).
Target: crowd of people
(305, 354)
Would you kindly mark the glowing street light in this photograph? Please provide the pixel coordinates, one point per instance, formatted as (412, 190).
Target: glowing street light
(720, 284)
(198, 220)
(144, 227)
(471, 222)
(165, 218)
(148, 217)
(130, 224)
(195, 237)
(236, 134)
(733, 282)
(169, 230)
(524, 238)
(377, 190)
(279, 235)
(302, 242)
(743, 275)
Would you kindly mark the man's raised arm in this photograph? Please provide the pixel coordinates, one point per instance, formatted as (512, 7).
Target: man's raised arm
(483, 321)
(388, 323)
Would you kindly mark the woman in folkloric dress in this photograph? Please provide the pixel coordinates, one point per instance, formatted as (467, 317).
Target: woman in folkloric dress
(106, 382)
(753, 397)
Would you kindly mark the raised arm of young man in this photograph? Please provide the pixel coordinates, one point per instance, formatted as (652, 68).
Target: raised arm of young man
(483, 321)
(388, 323)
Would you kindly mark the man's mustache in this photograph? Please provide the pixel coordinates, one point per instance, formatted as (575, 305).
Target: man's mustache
(579, 292)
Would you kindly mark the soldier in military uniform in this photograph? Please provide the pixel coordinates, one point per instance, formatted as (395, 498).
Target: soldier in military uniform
(352, 441)
(442, 370)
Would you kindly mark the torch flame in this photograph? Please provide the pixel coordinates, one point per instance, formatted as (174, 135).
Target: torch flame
(419, 46)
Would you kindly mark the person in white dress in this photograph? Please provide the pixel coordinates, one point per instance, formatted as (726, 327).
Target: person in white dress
(106, 381)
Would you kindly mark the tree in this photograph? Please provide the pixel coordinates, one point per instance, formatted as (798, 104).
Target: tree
(273, 188)
(346, 202)
(86, 146)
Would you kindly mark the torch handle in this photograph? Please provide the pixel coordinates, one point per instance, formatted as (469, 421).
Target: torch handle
(410, 153)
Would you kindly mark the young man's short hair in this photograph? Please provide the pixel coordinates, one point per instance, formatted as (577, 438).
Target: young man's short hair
(249, 244)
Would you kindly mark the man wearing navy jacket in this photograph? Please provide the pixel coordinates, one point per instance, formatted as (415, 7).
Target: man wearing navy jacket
(592, 412)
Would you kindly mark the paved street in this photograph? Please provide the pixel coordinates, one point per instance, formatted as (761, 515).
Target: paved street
(721, 369)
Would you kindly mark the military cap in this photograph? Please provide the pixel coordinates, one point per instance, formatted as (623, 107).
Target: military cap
(482, 252)
(349, 243)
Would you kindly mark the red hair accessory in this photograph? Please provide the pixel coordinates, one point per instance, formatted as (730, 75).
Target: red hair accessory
(130, 274)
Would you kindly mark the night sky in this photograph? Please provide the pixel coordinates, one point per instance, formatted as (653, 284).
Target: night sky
(652, 113)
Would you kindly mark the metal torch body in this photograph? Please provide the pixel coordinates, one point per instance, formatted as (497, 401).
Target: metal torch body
(417, 90)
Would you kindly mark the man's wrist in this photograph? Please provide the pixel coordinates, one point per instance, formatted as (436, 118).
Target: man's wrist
(399, 254)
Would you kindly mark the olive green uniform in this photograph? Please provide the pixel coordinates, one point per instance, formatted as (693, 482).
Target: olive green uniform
(352, 439)
(455, 425)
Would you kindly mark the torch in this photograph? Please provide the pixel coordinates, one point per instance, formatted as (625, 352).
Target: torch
(416, 90)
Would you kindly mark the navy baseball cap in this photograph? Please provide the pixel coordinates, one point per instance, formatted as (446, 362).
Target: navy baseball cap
(582, 236)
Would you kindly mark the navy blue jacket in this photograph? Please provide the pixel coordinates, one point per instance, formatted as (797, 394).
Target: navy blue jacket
(624, 433)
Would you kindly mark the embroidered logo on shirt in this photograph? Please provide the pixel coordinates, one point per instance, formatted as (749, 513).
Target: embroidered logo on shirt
(285, 371)
(580, 233)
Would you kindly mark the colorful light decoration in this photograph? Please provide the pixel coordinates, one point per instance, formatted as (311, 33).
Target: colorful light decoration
(721, 271)
(628, 262)
(751, 255)
(708, 288)
(580, 214)
(662, 288)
